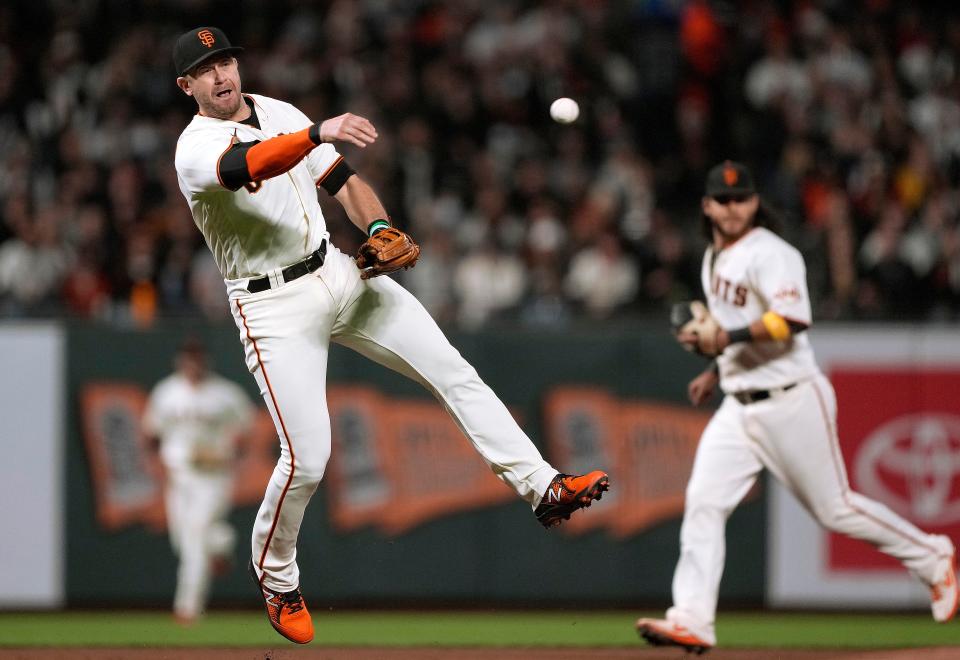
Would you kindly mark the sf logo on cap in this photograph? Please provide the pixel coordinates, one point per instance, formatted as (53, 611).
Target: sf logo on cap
(206, 38)
(729, 175)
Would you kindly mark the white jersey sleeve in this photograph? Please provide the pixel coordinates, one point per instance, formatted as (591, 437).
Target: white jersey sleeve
(780, 277)
(198, 157)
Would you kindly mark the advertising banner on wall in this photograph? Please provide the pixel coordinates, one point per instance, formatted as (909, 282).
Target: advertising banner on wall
(898, 425)
(651, 445)
(398, 463)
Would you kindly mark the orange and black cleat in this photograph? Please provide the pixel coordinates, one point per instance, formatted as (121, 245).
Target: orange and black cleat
(287, 611)
(567, 493)
(659, 632)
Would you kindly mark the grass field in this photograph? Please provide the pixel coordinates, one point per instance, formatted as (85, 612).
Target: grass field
(479, 629)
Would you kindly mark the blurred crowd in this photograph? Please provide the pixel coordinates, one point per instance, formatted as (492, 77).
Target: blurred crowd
(848, 113)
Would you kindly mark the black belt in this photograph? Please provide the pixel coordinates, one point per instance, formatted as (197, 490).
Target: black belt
(292, 272)
(752, 396)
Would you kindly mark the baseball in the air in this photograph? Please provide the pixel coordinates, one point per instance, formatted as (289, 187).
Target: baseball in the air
(564, 110)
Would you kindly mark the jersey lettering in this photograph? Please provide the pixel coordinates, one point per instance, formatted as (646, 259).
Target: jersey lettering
(789, 294)
(740, 296)
(729, 292)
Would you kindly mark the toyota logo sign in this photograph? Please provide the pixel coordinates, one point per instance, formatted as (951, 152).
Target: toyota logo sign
(912, 464)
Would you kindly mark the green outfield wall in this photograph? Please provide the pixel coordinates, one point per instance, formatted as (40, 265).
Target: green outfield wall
(618, 399)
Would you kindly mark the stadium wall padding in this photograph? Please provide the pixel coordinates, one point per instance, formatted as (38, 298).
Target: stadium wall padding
(497, 554)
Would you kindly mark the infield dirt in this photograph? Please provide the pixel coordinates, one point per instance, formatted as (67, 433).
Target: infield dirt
(417, 653)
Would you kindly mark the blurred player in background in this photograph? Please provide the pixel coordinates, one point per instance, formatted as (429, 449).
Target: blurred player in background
(249, 166)
(779, 413)
(198, 418)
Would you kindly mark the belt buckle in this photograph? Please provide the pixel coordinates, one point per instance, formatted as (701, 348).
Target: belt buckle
(317, 257)
(746, 397)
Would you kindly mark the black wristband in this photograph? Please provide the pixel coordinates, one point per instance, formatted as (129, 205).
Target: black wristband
(334, 179)
(739, 335)
(314, 134)
(714, 367)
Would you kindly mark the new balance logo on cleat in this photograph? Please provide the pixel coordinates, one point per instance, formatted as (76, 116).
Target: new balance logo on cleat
(567, 493)
(286, 611)
(553, 493)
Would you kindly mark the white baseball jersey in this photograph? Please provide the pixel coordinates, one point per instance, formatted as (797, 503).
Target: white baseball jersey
(760, 272)
(791, 432)
(286, 330)
(192, 419)
(263, 226)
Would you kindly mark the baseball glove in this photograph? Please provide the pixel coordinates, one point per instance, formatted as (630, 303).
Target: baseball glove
(386, 251)
(692, 318)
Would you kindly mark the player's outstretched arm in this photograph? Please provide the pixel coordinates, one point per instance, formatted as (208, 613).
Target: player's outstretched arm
(249, 162)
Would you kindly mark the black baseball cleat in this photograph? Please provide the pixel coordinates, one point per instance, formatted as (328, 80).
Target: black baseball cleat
(567, 493)
(659, 632)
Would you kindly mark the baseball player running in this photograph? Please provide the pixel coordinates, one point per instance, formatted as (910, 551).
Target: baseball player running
(197, 416)
(778, 412)
(249, 167)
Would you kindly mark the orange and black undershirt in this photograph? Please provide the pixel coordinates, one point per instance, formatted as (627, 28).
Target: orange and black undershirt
(249, 162)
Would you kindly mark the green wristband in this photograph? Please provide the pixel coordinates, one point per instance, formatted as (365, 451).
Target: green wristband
(375, 226)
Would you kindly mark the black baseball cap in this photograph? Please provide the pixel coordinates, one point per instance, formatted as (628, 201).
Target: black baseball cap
(729, 178)
(198, 44)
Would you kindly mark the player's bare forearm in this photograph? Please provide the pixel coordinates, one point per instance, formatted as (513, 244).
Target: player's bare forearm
(360, 202)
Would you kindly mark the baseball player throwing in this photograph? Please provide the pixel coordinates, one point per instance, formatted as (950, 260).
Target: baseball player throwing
(249, 167)
(778, 412)
(197, 415)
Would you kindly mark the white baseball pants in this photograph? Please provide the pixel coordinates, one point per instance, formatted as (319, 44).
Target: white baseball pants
(794, 435)
(286, 333)
(197, 504)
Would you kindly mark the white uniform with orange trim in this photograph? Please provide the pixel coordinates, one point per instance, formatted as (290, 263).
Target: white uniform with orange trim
(793, 433)
(286, 330)
(197, 426)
